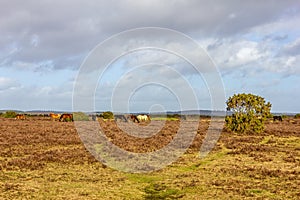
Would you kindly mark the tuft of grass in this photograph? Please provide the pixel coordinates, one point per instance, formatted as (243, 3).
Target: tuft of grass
(161, 191)
(267, 139)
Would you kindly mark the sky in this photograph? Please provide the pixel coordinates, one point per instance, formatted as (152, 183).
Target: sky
(254, 45)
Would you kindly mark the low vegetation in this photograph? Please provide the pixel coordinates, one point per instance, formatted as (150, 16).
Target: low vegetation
(44, 159)
(9, 114)
(80, 116)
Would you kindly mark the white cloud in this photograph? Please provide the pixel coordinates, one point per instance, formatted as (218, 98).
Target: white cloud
(56, 30)
(285, 65)
(230, 54)
(36, 97)
(292, 48)
(8, 84)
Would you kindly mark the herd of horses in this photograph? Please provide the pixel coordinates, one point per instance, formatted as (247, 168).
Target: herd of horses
(60, 117)
(67, 117)
(134, 118)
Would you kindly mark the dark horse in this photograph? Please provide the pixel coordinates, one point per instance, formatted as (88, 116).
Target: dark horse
(121, 118)
(134, 118)
(278, 118)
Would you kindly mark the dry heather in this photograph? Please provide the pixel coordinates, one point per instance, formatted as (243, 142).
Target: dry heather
(44, 159)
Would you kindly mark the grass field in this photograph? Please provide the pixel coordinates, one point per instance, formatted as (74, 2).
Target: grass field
(44, 159)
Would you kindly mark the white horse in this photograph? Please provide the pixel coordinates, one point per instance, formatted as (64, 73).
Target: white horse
(143, 118)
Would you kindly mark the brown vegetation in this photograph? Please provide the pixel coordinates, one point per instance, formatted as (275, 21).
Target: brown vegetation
(40, 158)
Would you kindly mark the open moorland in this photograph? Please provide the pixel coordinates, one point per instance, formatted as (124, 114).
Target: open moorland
(45, 159)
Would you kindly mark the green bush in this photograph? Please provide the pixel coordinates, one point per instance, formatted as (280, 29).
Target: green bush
(284, 116)
(10, 114)
(297, 115)
(159, 191)
(249, 113)
(80, 116)
(107, 115)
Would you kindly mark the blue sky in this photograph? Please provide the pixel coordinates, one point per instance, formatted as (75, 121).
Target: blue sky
(254, 44)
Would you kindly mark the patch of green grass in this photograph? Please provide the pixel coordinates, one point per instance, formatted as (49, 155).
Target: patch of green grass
(161, 191)
(259, 193)
(143, 178)
(164, 119)
(266, 139)
(80, 116)
(191, 167)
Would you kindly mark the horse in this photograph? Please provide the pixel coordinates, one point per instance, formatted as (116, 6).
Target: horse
(20, 116)
(143, 118)
(120, 117)
(94, 117)
(55, 116)
(278, 118)
(134, 118)
(66, 117)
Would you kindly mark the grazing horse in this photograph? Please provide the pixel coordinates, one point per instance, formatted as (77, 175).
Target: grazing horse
(94, 117)
(20, 116)
(66, 117)
(143, 118)
(54, 116)
(278, 118)
(121, 118)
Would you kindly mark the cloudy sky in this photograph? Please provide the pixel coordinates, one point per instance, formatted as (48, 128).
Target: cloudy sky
(254, 44)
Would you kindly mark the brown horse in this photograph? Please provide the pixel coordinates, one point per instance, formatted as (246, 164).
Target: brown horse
(20, 116)
(66, 117)
(54, 116)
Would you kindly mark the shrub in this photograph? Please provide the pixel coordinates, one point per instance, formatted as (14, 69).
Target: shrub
(284, 116)
(249, 113)
(297, 115)
(107, 115)
(10, 114)
(80, 116)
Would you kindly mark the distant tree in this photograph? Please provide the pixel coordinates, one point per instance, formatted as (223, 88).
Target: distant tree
(249, 113)
(10, 114)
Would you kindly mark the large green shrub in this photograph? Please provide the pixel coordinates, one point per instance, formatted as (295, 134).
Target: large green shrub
(9, 114)
(249, 113)
(297, 115)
